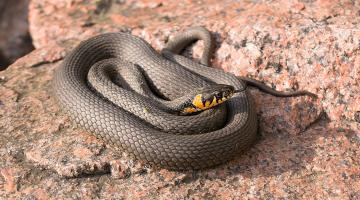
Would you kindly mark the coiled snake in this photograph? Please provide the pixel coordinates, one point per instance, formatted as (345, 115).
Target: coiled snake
(134, 121)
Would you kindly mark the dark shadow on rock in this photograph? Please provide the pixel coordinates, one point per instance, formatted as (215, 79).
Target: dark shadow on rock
(14, 32)
(4, 62)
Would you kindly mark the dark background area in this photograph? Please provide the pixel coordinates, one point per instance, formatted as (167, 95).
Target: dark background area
(15, 40)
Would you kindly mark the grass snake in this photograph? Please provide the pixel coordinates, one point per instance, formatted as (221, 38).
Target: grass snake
(128, 112)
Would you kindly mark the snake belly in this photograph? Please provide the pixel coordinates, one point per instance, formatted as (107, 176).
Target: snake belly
(125, 131)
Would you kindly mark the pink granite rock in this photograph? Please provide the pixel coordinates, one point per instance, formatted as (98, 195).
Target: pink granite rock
(287, 44)
(308, 150)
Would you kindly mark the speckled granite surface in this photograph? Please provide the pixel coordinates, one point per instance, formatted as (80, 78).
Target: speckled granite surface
(308, 148)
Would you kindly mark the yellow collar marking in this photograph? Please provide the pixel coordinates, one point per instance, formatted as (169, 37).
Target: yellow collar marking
(197, 102)
(208, 104)
(212, 104)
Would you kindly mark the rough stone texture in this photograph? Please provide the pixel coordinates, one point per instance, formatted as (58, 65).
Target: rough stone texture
(287, 44)
(15, 40)
(308, 150)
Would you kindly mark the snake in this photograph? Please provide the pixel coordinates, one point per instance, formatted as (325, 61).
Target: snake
(120, 89)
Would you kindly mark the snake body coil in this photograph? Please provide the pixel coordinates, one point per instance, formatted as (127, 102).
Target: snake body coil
(146, 136)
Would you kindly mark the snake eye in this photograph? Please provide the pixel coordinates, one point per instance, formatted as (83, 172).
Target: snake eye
(225, 94)
(219, 95)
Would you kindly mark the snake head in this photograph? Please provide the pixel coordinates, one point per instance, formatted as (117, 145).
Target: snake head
(209, 97)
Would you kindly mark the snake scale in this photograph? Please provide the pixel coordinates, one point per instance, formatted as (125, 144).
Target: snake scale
(209, 138)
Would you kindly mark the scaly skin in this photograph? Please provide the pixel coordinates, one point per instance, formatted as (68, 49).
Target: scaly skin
(125, 131)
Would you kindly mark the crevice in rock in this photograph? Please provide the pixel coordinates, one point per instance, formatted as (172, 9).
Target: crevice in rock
(3, 61)
(15, 39)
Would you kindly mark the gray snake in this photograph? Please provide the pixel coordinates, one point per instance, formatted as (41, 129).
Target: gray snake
(215, 135)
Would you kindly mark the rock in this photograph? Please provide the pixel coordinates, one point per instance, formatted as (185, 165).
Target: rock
(10, 184)
(309, 148)
(14, 31)
(302, 46)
